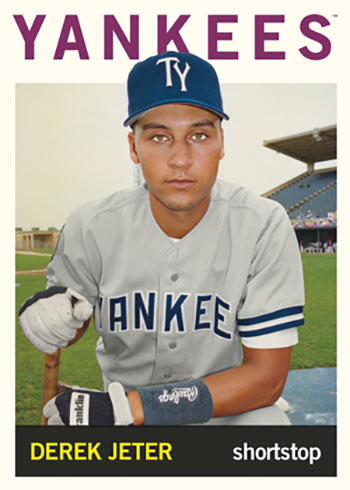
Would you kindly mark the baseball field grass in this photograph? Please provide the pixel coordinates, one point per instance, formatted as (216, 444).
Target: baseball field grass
(30, 262)
(317, 338)
(316, 348)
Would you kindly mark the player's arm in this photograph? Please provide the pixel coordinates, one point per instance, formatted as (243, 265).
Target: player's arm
(257, 383)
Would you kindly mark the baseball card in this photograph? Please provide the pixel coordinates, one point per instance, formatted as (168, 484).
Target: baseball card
(173, 171)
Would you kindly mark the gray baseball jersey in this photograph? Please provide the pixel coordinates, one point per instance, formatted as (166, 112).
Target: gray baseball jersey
(170, 310)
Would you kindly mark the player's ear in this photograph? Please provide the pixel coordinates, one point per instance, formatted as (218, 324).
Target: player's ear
(132, 147)
(222, 152)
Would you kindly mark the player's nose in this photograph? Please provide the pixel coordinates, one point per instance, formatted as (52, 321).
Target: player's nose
(180, 155)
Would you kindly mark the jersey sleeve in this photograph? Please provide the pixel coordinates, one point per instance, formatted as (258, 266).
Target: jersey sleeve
(272, 305)
(76, 262)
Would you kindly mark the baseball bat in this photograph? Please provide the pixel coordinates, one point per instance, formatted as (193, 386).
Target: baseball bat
(51, 386)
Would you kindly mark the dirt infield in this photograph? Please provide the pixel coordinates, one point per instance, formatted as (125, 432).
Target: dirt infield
(36, 271)
(41, 254)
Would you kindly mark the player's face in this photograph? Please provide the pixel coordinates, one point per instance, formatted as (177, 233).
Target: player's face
(179, 148)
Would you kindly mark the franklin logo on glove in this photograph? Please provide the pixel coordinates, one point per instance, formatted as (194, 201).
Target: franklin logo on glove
(79, 409)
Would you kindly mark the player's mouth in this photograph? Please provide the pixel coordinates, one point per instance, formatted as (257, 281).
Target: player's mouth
(180, 183)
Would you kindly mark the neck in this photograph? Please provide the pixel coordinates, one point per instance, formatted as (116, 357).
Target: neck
(176, 224)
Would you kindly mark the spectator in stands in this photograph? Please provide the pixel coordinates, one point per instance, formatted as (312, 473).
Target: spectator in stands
(309, 214)
(330, 215)
(329, 246)
(331, 218)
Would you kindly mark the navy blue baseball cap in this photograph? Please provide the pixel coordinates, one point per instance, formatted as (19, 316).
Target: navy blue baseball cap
(173, 78)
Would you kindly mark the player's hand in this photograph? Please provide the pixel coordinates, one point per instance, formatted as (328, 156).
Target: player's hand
(79, 406)
(50, 318)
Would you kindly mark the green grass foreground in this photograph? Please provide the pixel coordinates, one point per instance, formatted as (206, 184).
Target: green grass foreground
(31, 262)
(317, 338)
(316, 348)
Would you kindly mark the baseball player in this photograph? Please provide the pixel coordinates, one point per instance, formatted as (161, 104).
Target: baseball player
(195, 284)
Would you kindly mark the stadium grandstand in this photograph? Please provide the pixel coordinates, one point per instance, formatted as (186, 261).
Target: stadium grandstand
(310, 199)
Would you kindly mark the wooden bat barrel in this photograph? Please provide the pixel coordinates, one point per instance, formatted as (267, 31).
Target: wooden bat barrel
(51, 365)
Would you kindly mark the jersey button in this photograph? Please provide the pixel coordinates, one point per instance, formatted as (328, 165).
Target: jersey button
(174, 277)
(167, 375)
(172, 345)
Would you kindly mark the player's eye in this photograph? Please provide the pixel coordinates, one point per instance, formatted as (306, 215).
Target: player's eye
(159, 138)
(199, 136)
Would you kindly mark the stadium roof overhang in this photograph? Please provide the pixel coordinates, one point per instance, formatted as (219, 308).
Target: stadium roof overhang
(318, 145)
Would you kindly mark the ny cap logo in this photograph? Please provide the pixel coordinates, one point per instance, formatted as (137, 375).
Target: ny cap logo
(181, 75)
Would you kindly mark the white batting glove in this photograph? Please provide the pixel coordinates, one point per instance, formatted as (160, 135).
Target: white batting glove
(50, 318)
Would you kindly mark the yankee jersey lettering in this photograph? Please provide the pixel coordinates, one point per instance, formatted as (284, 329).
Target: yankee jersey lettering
(143, 316)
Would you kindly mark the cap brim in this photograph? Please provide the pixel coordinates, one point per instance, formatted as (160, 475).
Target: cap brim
(134, 117)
